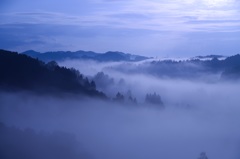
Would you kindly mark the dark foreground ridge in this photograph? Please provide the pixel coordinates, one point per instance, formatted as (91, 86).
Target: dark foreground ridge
(20, 72)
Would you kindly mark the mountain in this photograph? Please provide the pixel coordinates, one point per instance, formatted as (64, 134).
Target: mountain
(22, 72)
(216, 66)
(210, 57)
(65, 55)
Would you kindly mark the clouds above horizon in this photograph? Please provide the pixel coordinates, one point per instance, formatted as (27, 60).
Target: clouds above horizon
(151, 27)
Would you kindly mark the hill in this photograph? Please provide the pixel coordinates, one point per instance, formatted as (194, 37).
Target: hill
(21, 72)
(78, 55)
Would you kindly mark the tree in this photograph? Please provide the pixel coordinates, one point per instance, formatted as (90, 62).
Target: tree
(154, 99)
(130, 98)
(119, 98)
(103, 80)
(203, 156)
(93, 85)
(51, 65)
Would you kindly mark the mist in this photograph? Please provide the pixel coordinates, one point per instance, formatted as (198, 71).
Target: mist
(198, 116)
(173, 82)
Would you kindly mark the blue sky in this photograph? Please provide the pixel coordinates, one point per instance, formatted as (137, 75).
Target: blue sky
(163, 28)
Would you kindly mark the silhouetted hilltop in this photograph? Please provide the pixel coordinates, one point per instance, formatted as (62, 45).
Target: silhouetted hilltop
(64, 55)
(21, 72)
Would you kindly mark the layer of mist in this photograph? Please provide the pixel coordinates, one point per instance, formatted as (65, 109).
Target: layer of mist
(200, 117)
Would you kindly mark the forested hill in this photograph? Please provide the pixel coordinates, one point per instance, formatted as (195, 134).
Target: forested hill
(21, 72)
(84, 55)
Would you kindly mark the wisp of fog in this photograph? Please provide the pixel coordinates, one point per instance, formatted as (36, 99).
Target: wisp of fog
(197, 117)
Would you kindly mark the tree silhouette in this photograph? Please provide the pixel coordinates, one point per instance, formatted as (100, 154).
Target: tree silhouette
(130, 98)
(203, 156)
(119, 98)
(154, 99)
(103, 80)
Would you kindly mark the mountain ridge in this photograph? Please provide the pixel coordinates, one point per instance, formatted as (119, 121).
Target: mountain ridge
(78, 55)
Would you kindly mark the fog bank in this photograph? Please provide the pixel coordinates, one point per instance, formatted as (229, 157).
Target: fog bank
(109, 130)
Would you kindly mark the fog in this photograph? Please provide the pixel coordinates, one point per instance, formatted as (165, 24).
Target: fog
(141, 78)
(199, 116)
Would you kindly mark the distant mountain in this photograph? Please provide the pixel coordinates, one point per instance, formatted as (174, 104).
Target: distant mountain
(209, 57)
(65, 55)
(228, 67)
(22, 72)
(193, 68)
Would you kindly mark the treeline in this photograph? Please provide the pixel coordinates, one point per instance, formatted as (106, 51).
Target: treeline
(229, 68)
(104, 82)
(21, 72)
(84, 55)
(150, 99)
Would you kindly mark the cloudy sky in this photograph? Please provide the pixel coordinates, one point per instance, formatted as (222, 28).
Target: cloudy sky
(163, 28)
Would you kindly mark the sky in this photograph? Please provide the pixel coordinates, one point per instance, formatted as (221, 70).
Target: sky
(162, 28)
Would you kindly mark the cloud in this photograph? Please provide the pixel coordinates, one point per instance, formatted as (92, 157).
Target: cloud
(138, 26)
(149, 15)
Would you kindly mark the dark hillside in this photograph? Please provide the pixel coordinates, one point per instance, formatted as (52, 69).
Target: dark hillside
(21, 72)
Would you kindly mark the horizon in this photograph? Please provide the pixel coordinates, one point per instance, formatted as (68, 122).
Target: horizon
(153, 57)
